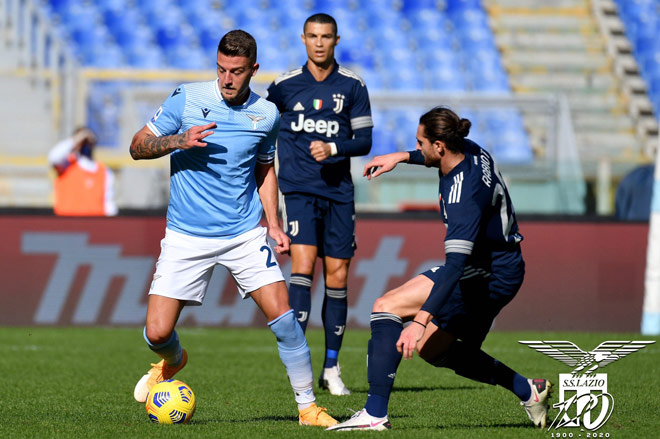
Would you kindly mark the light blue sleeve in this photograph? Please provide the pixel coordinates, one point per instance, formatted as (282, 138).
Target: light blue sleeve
(266, 153)
(167, 119)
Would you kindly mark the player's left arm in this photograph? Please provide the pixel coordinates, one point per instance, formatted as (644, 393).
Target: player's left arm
(267, 188)
(361, 126)
(465, 219)
(463, 228)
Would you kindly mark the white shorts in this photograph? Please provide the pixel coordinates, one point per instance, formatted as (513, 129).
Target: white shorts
(186, 263)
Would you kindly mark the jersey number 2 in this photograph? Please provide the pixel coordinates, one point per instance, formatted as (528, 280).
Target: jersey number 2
(270, 262)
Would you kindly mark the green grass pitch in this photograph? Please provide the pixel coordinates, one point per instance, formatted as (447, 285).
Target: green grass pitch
(78, 382)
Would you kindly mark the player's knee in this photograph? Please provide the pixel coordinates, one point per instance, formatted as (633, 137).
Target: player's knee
(383, 304)
(158, 334)
(304, 266)
(337, 278)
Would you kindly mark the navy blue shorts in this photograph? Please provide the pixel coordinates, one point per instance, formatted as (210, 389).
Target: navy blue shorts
(318, 221)
(470, 310)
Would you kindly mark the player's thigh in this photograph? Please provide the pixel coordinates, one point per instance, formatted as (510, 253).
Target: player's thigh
(272, 299)
(336, 271)
(471, 309)
(302, 218)
(303, 258)
(251, 261)
(339, 230)
(406, 300)
(434, 342)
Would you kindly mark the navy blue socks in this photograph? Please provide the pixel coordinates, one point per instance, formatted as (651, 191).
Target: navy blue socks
(335, 309)
(477, 365)
(382, 361)
(300, 297)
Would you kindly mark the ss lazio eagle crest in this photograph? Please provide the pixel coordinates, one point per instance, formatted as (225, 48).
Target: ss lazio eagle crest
(255, 120)
(587, 362)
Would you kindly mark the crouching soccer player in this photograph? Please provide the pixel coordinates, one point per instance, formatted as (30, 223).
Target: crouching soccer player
(452, 307)
(220, 137)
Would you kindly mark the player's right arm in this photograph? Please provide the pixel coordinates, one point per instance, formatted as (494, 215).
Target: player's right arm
(384, 163)
(146, 145)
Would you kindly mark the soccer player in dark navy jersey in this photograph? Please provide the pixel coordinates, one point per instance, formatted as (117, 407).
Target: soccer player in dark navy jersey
(325, 120)
(452, 307)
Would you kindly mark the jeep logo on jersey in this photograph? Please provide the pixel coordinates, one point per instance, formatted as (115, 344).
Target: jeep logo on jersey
(329, 128)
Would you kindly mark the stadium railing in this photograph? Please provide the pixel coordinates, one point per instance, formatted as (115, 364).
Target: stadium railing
(548, 181)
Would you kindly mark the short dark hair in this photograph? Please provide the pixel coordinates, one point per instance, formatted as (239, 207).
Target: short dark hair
(238, 43)
(444, 125)
(322, 19)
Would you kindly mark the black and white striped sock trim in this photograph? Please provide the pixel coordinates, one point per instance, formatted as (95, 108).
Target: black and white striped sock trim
(375, 316)
(336, 293)
(302, 281)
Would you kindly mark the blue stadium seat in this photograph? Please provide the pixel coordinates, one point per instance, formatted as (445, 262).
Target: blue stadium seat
(408, 6)
(189, 57)
(440, 45)
(147, 56)
(327, 5)
(641, 19)
(103, 112)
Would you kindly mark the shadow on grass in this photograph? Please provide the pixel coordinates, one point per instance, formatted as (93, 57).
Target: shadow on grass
(525, 425)
(244, 420)
(365, 390)
(432, 388)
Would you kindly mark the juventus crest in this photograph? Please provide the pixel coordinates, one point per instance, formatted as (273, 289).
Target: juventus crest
(339, 102)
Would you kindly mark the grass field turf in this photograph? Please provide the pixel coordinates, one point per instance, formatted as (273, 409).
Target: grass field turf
(78, 382)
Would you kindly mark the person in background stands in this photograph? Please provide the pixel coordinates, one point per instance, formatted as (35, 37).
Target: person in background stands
(84, 186)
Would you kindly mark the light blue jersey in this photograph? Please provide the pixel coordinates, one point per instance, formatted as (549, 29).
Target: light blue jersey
(213, 189)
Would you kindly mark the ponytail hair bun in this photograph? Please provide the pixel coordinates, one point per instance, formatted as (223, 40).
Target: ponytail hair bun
(463, 130)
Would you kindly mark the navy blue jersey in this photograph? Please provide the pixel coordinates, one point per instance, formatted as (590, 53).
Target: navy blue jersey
(482, 233)
(335, 110)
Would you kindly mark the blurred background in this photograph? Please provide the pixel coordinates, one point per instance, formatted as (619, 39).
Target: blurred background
(565, 94)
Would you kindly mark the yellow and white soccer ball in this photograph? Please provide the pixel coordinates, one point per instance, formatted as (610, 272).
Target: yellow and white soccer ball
(170, 402)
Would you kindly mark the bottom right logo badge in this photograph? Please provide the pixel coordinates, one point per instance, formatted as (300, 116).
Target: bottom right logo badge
(584, 401)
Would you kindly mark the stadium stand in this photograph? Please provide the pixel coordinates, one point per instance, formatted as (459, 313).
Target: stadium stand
(641, 20)
(465, 48)
(433, 46)
(559, 47)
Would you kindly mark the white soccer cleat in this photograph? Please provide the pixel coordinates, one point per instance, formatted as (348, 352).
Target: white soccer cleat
(160, 371)
(362, 421)
(331, 380)
(537, 405)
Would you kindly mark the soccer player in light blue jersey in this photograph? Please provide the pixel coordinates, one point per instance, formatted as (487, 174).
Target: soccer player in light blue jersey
(451, 308)
(220, 137)
(326, 120)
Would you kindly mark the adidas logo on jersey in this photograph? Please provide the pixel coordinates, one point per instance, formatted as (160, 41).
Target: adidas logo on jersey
(329, 128)
(298, 107)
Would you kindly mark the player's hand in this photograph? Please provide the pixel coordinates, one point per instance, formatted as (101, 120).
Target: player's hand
(282, 241)
(193, 136)
(407, 342)
(319, 150)
(383, 163)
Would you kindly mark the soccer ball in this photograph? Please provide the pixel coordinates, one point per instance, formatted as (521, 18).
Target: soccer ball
(170, 402)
